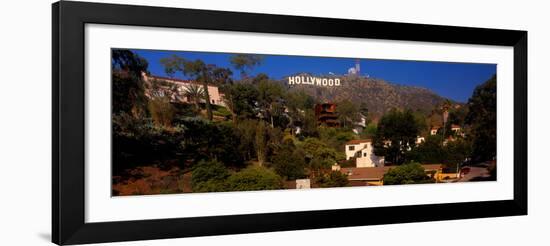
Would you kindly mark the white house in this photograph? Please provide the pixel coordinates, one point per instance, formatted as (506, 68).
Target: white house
(181, 86)
(360, 125)
(362, 150)
(434, 130)
(457, 130)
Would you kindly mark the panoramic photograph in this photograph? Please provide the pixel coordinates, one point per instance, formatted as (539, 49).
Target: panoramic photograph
(194, 122)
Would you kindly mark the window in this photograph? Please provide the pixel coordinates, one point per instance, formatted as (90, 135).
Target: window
(365, 154)
(351, 148)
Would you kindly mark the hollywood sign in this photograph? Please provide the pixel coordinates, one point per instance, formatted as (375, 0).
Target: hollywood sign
(310, 80)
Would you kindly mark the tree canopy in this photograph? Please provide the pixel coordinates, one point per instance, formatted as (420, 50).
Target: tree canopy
(245, 62)
(332, 179)
(410, 173)
(289, 162)
(128, 91)
(482, 117)
(254, 178)
(396, 134)
(209, 176)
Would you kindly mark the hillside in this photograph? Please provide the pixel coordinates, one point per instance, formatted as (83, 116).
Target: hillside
(379, 95)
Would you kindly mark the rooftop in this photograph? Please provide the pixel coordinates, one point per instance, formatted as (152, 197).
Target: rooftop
(358, 141)
(376, 173)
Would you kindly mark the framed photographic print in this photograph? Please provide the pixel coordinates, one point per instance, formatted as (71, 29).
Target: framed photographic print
(177, 123)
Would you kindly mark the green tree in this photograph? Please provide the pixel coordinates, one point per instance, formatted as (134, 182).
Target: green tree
(421, 122)
(203, 139)
(161, 110)
(254, 178)
(348, 113)
(457, 152)
(319, 155)
(369, 131)
(129, 61)
(332, 179)
(314, 147)
(222, 76)
(411, 173)
(309, 124)
(299, 100)
(396, 135)
(430, 151)
(334, 137)
(289, 162)
(261, 77)
(262, 139)
(270, 98)
(482, 118)
(246, 131)
(128, 85)
(195, 94)
(209, 176)
(245, 62)
(241, 100)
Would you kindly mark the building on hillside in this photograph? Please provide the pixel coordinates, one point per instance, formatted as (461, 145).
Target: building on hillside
(434, 130)
(363, 152)
(325, 113)
(365, 176)
(360, 176)
(457, 130)
(356, 70)
(360, 125)
(177, 88)
(420, 140)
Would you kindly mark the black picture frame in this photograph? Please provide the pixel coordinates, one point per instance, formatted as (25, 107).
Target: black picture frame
(68, 122)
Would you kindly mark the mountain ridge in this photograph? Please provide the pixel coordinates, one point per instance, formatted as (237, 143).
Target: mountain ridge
(378, 95)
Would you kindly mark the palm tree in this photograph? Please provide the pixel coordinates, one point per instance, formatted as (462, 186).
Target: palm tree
(194, 93)
(197, 70)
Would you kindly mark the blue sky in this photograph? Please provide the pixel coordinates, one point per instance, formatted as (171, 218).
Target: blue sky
(452, 80)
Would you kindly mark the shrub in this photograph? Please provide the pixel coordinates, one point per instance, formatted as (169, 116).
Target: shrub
(161, 111)
(254, 178)
(289, 163)
(209, 176)
(332, 179)
(411, 173)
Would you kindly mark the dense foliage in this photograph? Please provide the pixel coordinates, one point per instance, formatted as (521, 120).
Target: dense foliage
(254, 178)
(482, 117)
(410, 173)
(396, 135)
(332, 179)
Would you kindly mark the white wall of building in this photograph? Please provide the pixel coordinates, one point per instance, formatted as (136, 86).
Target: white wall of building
(351, 149)
(366, 156)
(216, 97)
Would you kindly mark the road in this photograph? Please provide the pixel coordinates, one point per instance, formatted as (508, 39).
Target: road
(477, 173)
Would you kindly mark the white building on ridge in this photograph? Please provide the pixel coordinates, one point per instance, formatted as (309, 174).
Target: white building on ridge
(362, 150)
(181, 86)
